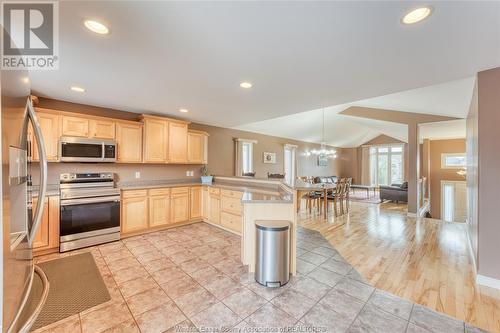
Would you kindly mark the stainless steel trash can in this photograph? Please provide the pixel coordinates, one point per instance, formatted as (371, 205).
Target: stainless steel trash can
(272, 266)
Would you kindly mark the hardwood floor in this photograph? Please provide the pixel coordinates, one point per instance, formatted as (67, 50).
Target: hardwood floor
(424, 260)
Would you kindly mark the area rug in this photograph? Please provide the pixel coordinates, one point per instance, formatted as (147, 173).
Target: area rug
(360, 196)
(75, 285)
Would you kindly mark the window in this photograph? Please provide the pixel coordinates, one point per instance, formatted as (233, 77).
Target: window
(247, 157)
(244, 157)
(289, 163)
(453, 161)
(386, 165)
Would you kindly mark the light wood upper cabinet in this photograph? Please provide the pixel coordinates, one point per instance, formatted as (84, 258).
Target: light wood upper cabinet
(102, 129)
(75, 126)
(129, 142)
(134, 216)
(49, 125)
(155, 140)
(195, 202)
(159, 210)
(47, 236)
(177, 142)
(179, 204)
(197, 147)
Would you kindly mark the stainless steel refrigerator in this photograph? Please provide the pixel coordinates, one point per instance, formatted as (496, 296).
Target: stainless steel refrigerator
(20, 221)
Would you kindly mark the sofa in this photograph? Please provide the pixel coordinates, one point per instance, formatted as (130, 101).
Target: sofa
(394, 192)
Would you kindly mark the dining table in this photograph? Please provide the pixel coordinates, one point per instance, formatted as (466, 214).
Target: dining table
(301, 187)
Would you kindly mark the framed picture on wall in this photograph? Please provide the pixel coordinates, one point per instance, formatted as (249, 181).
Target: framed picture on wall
(322, 160)
(269, 157)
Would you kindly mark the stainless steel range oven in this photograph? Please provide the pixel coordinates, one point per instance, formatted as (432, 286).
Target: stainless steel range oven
(90, 210)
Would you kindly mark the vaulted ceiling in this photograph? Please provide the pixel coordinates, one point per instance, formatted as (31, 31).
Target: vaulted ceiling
(300, 56)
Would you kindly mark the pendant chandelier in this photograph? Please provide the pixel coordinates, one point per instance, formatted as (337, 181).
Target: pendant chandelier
(323, 151)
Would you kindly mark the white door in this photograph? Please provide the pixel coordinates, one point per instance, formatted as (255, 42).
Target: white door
(453, 201)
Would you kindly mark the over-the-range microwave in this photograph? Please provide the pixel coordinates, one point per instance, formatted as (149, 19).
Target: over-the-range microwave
(74, 149)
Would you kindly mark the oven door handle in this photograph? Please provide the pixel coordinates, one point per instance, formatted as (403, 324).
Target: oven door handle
(71, 202)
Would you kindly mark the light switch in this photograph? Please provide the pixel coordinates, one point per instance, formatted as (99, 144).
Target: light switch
(137, 174)
(187, 173)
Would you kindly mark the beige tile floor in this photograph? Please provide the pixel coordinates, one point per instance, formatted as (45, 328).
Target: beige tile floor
(190, 278)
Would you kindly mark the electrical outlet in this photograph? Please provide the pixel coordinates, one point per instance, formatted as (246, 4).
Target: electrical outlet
(137, 174)
(187, 173)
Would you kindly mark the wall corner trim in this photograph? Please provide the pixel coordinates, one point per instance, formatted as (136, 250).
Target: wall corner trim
(488, 282)
(471, 251)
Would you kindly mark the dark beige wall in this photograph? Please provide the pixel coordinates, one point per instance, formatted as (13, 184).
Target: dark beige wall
(221, 150)
(351, 158)
(438, 147)
(472, 171)
(125, 172)
(489, 172)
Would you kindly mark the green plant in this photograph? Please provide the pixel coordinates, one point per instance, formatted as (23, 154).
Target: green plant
(204, 170)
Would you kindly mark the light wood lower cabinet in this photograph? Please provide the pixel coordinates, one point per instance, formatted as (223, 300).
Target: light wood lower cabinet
(206, 204)
(159, 209)
(134, 211)
(195, 203)
(180, 204)
(214, 209)
(231, 221)
(47, 237)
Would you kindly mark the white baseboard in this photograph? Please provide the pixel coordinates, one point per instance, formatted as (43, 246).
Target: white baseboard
(487, 281)
(411, 214)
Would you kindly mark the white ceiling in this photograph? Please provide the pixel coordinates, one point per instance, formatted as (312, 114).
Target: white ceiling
(449, 99)
(161, 56)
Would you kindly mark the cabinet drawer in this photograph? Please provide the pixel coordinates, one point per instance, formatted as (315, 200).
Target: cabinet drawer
(231, 221)
(231, 205)
(159, 191)
(134, 193)
(179, 190)
(214, 190)
(231, 193)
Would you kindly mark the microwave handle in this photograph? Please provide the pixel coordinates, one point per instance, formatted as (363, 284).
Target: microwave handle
(37, 219)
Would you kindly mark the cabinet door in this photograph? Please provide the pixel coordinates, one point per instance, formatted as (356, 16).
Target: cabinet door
(47, 236)
(134, 215)
(179, 207)
(129, 142)
(42, 236)
(195, 147)
(195, 203)
(155, 141)
(206, 204)
(159, 210)
(102, 129)
(75, 126)
(177, 142)
(49, 124)
(214, 209)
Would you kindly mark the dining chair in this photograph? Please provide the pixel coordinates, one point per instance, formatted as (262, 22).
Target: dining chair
(347, 193)
(336, 195)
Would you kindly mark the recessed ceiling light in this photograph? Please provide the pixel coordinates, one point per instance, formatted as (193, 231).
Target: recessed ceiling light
(184, 110)
(77, 89)
(416, 15)
(246, 85)
(96, 27)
